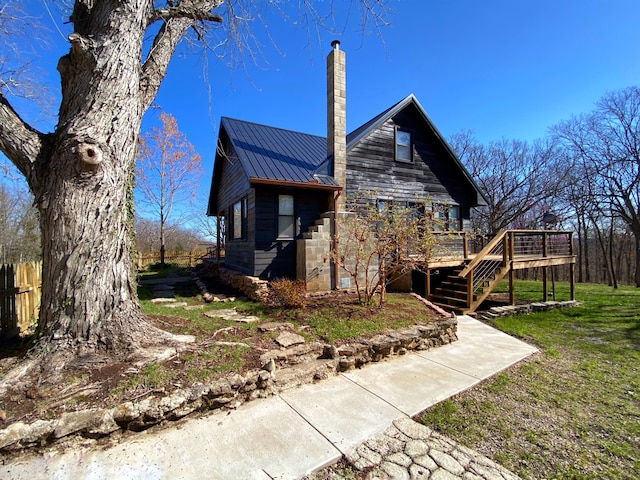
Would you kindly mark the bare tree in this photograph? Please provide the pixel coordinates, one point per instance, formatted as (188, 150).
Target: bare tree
(515, 176)
(377, 243)
(607, 142)
(81, 174)
(167, 172)
(19, 232)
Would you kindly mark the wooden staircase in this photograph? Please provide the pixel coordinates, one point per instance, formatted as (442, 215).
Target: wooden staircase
(453, 292)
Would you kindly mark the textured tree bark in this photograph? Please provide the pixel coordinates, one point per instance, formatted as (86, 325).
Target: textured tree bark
(89, 296)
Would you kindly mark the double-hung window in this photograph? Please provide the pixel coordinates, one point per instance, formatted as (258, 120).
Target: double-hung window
(446, 217)
(239, 220)
(404, 146)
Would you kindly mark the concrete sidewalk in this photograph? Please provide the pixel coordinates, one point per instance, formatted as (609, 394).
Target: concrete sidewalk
(299, 431)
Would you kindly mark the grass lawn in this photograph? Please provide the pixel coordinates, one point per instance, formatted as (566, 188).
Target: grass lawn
(572, 411)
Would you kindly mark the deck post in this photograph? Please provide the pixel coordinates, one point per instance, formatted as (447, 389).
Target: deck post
(512, 299)
(218, 240)
(572, 271)
(427, 283)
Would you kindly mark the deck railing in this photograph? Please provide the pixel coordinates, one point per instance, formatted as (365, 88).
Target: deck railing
(514, 249)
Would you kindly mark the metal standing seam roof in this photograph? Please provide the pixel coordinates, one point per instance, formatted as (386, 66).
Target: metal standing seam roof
(270, 153)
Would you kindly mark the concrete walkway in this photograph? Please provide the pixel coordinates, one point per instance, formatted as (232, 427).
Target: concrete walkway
(301, 430)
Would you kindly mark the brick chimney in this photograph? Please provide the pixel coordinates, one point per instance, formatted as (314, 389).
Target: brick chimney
(337, 119)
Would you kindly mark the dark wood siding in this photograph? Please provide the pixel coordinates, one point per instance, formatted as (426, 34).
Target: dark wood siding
(277, 258)
(233, 186)
(239, 253)
(371, 166)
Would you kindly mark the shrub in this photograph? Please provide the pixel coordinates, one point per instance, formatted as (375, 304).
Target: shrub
(287, 293)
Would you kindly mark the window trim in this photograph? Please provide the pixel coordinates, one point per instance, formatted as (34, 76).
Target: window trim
(396, 144)
(291, 216)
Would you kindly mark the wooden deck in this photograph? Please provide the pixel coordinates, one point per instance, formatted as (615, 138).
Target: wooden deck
(474, 275)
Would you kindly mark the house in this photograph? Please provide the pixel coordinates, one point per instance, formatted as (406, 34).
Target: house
(274, 187)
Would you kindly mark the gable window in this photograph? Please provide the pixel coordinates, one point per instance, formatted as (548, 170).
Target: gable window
(286, 219)
(404, 146)
(239, 219)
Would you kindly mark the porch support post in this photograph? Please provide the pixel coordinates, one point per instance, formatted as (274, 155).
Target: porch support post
(218, 241)
(544, 284)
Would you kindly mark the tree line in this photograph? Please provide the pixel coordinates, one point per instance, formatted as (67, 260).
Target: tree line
(585, 173)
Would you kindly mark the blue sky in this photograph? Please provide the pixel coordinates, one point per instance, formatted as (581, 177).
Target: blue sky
(502, 68)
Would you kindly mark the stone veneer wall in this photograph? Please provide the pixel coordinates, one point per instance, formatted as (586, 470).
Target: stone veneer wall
(313, 261)
(314, 264)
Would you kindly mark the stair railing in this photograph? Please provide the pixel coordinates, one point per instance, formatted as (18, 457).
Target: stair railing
(482, 268)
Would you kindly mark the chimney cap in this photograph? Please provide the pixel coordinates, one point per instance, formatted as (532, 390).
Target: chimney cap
(336, 44)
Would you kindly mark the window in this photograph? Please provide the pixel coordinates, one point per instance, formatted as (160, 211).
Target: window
(453, 220)
(404, 148)
(446, 217)
(239, 219)
(385, 205)
(286, 219)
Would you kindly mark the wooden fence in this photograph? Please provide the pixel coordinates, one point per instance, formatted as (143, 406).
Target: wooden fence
(20, 289)
(181, 259)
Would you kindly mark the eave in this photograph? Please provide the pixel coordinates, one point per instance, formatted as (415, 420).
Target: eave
(312, 185)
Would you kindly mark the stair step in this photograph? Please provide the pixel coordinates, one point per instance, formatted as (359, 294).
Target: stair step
(454, 286)
(462, 294)
(450, 308)
(451, 301)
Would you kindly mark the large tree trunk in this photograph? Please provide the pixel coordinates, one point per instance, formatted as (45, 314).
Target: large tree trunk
(84, 190)
(81, 174)
(83, 194)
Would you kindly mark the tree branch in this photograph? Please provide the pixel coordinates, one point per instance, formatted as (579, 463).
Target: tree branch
(189, 12)
(18, 141)
(176, 22)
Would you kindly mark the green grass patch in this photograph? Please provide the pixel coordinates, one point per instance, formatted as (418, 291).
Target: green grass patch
(573, 411)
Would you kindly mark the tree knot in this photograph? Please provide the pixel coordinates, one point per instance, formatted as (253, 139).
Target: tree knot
(89, 153)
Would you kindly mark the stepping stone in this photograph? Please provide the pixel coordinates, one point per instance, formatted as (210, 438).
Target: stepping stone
(194, 307)
(162, 300)
(288, 339)
(274, 326)
(175, 304)
(231, 315)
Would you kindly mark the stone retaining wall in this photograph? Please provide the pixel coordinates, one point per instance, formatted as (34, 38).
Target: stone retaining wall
(281, 369)
(253, 287)
(503, 311)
